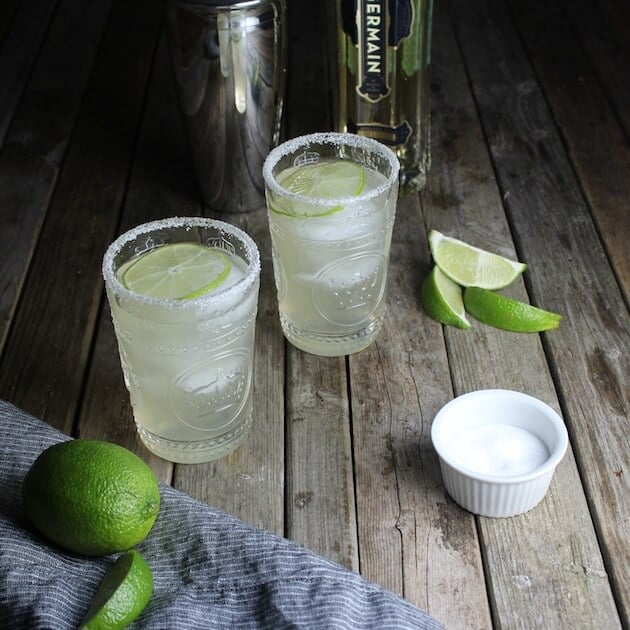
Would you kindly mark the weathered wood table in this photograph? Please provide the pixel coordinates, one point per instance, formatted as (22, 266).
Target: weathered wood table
(531, 159)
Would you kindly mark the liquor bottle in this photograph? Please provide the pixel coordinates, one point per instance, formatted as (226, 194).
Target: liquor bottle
(384, 54)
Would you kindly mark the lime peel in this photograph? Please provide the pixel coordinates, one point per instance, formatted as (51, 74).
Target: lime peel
(457, 265)
(503, 312)
(107, 503)
(468, 265)
(305, 215)
(122, 595)
(442, 299)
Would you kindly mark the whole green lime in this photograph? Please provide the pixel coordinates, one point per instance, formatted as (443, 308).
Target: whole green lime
(91, 497)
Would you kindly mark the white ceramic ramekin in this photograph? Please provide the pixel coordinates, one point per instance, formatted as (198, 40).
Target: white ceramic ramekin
(458, 433)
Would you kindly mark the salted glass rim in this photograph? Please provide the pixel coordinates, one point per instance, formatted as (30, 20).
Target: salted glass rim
(332, 138)
(219, 295)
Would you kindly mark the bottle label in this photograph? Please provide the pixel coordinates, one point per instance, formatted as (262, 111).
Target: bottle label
(391, 136)
(372, 32)
(381, 24)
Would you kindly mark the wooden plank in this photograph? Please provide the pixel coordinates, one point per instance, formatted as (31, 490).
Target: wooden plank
(39, 133)
(25, 185)
(569, 273)
(599, 149)
(615, 49)
(603, 28)
(413, 540)
(45, 356)
(320, 495)
(18, 53)
(320, 499)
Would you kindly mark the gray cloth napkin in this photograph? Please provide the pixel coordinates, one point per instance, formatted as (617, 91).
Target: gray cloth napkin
(210, 570)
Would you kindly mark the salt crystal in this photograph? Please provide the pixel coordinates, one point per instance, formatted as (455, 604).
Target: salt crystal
(498, 449)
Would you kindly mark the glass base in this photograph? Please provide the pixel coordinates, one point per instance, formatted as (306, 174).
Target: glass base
(331, 345)
(195, 452)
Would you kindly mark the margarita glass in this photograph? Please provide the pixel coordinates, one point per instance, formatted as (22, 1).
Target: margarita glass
(331, 200)
(183, 295)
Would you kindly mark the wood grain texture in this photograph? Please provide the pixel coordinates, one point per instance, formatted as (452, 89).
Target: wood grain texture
(530, 160)
(531, 168)
(596, 142)
(46, 355)
(603, 30)
(35, 142)
(532, 579)
(320, 496)
(413, 539)
(25, 185)
(19, 50)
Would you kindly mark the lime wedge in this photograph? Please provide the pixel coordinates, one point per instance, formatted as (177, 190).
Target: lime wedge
(177, 271)
(470, 266)
(323, 180)
(122, 595)
(500, 311)
(442, 299)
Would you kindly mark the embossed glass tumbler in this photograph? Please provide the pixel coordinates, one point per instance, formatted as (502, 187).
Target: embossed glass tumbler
(187, 360)
(331, 200)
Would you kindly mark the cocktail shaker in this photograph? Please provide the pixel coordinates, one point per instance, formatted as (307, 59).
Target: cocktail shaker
(229, 64)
